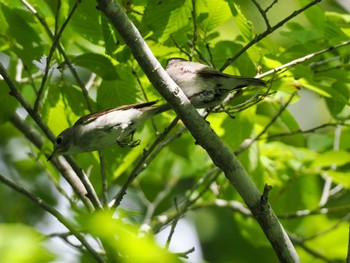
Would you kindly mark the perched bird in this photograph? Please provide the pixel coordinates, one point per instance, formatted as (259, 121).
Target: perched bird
(102, 129)
(205, 86)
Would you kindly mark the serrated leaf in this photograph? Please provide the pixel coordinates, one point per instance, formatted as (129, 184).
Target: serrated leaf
(168, 16)
(179, 19)
(118, 92)
(217, 12)
(26, 42)
(97, 63)
(85, 23)
(244, 25)
(109, 36)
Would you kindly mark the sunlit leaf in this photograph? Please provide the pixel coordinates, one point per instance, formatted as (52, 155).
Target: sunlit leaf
(101, 65)
(330, 158)
(342, 178)
(15, 237)
(24, 39)
(244, 25)
(166, 17)
(124, 239)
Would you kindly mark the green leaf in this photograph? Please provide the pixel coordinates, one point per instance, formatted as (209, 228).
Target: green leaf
(330, 158)
(8, 104)
(109, 36)
(122, 91)
(301, 34)
(125, 239)
(338, 104)
(85, 23)
(100, 64)
(284, 124)
(237, 129)
(243, 66)
(14, 237)
(166, 17)
(244, 25)
(342, 178)
(179, 21)
(25, 41)
(217, 12)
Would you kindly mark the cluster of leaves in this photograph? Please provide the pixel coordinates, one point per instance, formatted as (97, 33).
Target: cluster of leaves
(307, 166)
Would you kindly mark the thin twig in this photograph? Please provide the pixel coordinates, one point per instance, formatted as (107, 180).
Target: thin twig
(35, 116)
(52, 50)
(194, 19)
(235, 206)
(85, 180)
(328, 180)
(61, 50)
(302, 59)
(246, 144)
(62, 219)
(271, 5)
(151, 207)
(140, 164)
(173, 225)
(262, 13)
(188, 202)
(61, 164)
(104, 180)
(329, 229)
(267, 32)
(317, 211)
(298, 131)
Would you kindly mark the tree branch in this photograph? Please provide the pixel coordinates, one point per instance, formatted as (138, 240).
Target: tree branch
(267, 32)
(60, 163)
(38, 201)
(61, 50)
(302, 59)
(36, 117)
(221, 155)
(55, 43)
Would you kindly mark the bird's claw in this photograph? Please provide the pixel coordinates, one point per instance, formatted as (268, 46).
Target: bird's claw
(134, 143)
(129, 143)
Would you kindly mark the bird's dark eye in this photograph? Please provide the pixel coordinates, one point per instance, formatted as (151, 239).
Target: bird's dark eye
(59, 140)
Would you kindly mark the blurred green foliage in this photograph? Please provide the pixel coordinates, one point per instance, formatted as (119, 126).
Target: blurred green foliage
(295, 163)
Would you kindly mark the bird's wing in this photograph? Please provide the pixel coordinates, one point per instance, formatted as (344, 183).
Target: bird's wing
(91, 117)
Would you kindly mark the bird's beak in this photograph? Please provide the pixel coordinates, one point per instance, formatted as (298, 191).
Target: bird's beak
(53, 154)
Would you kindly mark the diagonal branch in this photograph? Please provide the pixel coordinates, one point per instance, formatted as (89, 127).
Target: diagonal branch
(51, 52)
(302, 59)
(62, 219)
(60, 164)
(267, 32)
(221, 155)
(36, 117)
(61, 50)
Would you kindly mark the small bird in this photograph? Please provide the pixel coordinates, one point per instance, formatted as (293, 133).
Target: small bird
(205, 86)
(99, 130)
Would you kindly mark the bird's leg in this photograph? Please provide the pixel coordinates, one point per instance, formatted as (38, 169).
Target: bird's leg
(128, 141)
